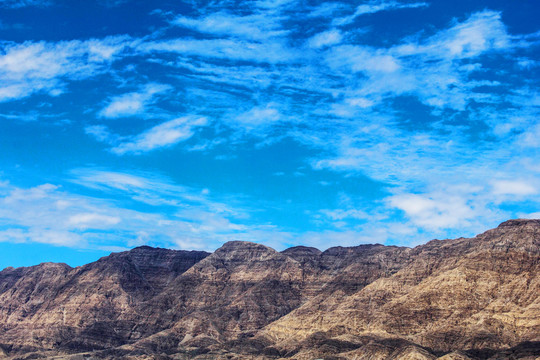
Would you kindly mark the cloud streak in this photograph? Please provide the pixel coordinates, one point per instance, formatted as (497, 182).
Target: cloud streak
(255, 27)
(375, 7)
(134, 103)
(16, 4)
(33, 67)
(163, 135)
(46, 214)
(230, 49)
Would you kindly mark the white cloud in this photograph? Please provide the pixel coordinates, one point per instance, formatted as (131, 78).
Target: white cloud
(468, 208)
(438, 181)
(361, 102)
(147, 188)
(326, 38)
(93, 220)
(44, 67)
(535, 215)
(340, 214)
(14, 4)
(433, 212)
(165, 134)
(436, 70)
(125, 105)
(33, 194)
(101, 133)
(375, 7)
(513, 188)
(240, 75)
(43, 60)
(150, 189)
(327, 9)
(133, 103)
(483, 31)
(43, 236)
(274, 4)
(101, 179)
(527, 64)
(251, 27)
(258, 117)
(530, 136)
(46, 214)
(363, 58)
(267, 52)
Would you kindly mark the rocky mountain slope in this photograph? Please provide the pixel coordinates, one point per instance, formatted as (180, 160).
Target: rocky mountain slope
(475, 298)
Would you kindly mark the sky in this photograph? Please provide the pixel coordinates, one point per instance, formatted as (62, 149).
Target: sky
(187, 124)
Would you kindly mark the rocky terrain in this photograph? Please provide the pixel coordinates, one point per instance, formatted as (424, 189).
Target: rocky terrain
(475, 298)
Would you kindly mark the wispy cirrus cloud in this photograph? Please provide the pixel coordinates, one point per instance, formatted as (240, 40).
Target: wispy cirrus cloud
(443, 72)
(481, 32)
(466, 185)
(375, 7)
(431, 69)
(66, 219)
(275, 4)
(328, 9)
(47, 214)
(32, 67)
(515, 188)
(194, 219)
(165, 134)
(162, 135)
(258, 117)
(464, 188)
(148, 188)
(407, 217)
(326, 38)
(15, 4)
(229, 49)
(250, 27)
(133, 103)
(436, 210)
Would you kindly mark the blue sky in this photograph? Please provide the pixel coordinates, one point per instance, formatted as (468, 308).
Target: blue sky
(186, 124)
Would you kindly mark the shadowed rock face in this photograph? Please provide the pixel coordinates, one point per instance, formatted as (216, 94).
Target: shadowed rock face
(453, 299)
(95, 306)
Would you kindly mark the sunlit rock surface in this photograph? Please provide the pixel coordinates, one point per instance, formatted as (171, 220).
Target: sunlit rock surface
(452, 299)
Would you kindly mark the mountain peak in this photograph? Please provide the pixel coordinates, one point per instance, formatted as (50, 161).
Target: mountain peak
(520, 222)
(244, 246)
(145, 247)
(302, 249)
(302, 253)
(239, 244)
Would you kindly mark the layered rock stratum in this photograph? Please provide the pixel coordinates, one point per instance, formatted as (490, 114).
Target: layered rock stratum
(474, 298)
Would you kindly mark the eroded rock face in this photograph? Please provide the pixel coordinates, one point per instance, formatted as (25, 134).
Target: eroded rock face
(52, 306)
(453, 299)
(478, 293)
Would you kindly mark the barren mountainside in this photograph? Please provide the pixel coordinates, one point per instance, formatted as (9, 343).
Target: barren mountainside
(476, 298)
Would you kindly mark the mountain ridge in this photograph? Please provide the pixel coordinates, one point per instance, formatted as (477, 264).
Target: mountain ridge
(473, 298)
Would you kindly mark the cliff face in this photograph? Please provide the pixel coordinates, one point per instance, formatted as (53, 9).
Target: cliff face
(52, 306)
(454, 299)
(455, 294)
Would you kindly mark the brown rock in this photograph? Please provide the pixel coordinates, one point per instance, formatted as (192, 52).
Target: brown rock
(453, 299)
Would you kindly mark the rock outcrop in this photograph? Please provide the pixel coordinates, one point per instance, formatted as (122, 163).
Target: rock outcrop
(472, 298)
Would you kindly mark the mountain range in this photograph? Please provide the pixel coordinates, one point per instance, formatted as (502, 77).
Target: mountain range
(468, 298)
